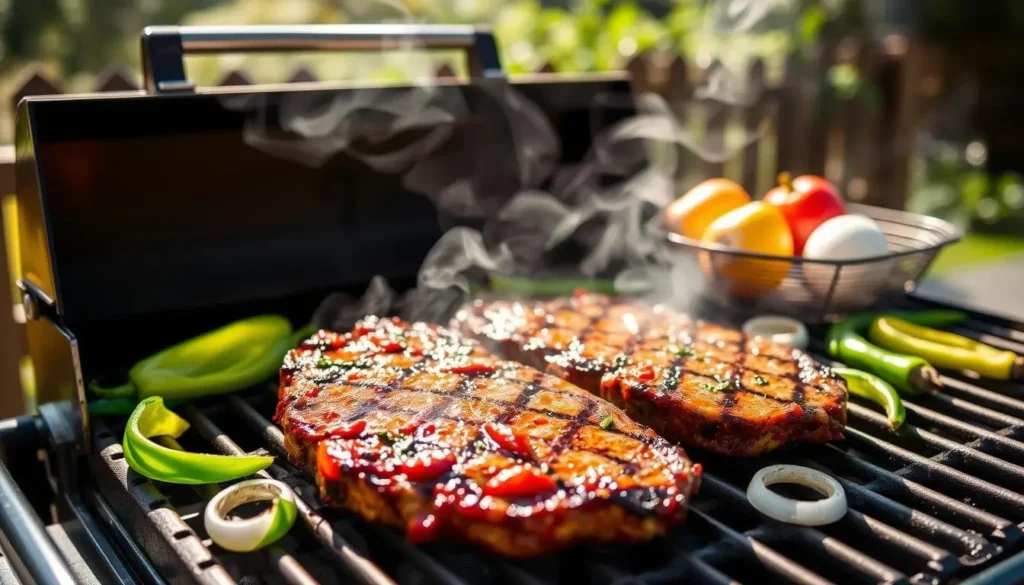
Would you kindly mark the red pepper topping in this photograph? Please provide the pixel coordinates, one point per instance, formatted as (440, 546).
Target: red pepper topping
(350, 430)
(425, 469)
(520, 481)
(646, 374)
(514, 443)
(362, 328)
(540, 420)
(471, 368)
(326, 464)
(428, 429)
(411, 426)
(312, 392)
(422, 528)
(391, 346)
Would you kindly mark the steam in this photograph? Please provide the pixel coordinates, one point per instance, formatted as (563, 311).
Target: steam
(340, 311)
(726, 41)
(599, 219)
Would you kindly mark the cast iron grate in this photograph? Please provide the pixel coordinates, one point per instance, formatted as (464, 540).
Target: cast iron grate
(934, 503)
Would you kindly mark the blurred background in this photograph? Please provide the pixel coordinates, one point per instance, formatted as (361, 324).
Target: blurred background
(928, 87)
(909, 104)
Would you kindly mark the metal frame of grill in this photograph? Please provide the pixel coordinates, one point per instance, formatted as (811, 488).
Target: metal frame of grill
(938, 502)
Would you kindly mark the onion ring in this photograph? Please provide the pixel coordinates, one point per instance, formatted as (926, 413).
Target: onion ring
(249, 534)
(783, 509)
(778, 329)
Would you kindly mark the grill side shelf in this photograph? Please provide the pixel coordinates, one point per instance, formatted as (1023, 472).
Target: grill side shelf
(175, 550)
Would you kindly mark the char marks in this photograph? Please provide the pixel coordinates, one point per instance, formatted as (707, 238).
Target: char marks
(674, 374)
(413, 426)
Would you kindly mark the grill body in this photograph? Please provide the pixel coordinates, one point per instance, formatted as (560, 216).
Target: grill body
(147, 218)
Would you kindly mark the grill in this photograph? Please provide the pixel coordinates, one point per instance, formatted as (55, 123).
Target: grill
(940, 502)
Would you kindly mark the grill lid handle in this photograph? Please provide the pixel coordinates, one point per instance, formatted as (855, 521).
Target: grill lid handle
(164, 47)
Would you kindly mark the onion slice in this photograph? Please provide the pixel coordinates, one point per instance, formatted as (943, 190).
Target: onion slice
(783, 509)
(249, 534)
(778, 329)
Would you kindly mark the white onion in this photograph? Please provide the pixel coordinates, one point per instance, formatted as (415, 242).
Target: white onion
(248, 534)
(783, 509)
(778, 329)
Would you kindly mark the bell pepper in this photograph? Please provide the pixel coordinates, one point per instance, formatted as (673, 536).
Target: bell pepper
(876, 390)
(152, 419)
(907, 373)
(228, 359)
(944, 349)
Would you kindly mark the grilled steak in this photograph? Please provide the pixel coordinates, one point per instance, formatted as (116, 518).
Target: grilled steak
(697, 383)
(415, 427)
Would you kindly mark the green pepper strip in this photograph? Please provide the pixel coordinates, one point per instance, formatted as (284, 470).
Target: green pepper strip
(121, 406)
(907, 373)
(552, 287)
(228, 359)
(876, 390)
(944, 349)
(152, 419)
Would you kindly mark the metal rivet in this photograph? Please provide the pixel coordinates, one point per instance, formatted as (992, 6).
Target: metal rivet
(31, 309)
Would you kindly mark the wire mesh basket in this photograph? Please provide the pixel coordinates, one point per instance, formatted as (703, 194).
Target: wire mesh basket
(813, 290)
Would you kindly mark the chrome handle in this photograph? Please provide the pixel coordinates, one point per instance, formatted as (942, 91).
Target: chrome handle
(164, 47)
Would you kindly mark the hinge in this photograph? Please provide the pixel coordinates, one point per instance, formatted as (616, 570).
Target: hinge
(35, 303)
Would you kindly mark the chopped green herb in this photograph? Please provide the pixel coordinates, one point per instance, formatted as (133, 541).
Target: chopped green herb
(324, 363)
(385, 437)
(760, 381)
(715, 387)
(480, 446)
(607, 422)
(681, 351)
(620, 361)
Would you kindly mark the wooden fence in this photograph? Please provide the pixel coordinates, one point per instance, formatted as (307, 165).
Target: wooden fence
(797, 123)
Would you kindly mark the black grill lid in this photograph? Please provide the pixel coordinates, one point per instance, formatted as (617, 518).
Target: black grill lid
(137, 205)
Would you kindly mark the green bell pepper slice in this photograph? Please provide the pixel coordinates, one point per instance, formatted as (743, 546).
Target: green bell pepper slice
(152, 419)
(228, 359)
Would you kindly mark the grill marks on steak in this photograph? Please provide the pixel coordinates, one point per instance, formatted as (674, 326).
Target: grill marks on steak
(693, 382)
(414, 427)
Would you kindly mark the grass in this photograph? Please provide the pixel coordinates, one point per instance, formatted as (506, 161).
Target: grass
(974, 250)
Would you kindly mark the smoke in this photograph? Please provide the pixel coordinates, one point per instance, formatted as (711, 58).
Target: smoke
(598, 219)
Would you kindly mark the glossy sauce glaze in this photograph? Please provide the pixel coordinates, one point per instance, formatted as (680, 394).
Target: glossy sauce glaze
(439, 437)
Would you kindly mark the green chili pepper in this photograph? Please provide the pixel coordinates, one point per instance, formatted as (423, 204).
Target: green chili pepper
(152, 419)
(876, 390)
(549, 287)
(228, 359)
(121, 406)
(944, 349)
(907, 373)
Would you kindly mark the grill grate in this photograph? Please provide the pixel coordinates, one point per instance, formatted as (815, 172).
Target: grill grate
(932, 504)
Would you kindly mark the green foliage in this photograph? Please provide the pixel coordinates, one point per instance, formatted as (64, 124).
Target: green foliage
(948, 186)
